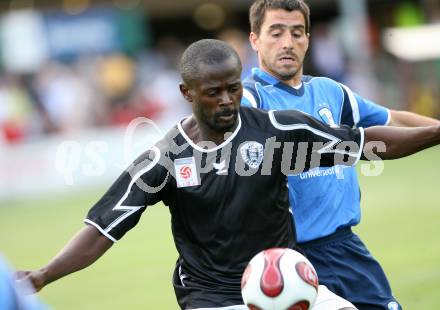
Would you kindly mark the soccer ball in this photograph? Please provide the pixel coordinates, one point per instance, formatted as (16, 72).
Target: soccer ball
(279, 279)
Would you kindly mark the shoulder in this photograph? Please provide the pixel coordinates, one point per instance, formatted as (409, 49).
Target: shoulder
(272, 120)
(255, 119)
(322, 82)
(252, 92)
(158, 157)
(282, 118)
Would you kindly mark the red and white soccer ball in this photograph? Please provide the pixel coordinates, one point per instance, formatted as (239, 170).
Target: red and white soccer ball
(279, 279)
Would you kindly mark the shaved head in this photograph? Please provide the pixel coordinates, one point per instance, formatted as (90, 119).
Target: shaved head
(206, 51)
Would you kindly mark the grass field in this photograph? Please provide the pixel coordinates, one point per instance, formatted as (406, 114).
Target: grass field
(401, 215)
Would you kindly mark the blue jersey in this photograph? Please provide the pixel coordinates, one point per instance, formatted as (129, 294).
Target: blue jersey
(322, 199)
(16, 295)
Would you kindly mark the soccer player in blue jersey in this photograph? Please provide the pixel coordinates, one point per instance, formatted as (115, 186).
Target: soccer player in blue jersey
(325, 201)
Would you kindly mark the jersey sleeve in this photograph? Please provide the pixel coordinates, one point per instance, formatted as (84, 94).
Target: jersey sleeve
(314, 144)
(360, 112)
(121, 207)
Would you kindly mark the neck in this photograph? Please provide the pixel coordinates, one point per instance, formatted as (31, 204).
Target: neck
(198, 131)
(293, 82)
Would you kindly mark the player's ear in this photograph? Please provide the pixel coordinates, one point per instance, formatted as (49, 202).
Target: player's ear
(185, 92)
(253, 38)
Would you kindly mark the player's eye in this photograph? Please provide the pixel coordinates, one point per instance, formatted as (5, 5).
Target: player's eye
(234, 88)
(211, 93)
(297, 34)
(276, 34)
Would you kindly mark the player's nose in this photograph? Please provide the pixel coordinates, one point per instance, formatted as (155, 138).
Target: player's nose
(287, 41)
(225, 98)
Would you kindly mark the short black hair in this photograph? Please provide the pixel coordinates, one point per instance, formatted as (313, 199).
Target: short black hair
(258, 10)
(207, 51)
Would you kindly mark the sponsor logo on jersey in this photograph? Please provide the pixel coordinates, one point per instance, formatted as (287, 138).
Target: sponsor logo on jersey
(327, 116)
(252, 154)
(186, 172)
(323, 172)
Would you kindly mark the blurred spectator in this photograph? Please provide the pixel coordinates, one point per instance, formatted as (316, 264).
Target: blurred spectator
(408, 14)
(65, 96)
(107, 87)
(160, 87)
(116, 76)
(327, 54)
(15, 109)
(239, 41)
(432, 10)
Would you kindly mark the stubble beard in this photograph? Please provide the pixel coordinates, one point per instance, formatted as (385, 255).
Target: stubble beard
(284, 74)
(287, 74)
(215, 124)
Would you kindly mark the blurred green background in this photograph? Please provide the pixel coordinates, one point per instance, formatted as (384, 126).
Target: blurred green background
(400, 226)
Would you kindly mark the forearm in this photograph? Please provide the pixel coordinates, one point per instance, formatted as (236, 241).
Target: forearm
(84, 249)
(410, 119)
(400, 142)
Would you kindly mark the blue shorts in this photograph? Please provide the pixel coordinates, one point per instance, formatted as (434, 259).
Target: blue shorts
(347, 268)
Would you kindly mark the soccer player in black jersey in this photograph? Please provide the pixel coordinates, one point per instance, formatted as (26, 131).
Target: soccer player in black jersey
(222, 173)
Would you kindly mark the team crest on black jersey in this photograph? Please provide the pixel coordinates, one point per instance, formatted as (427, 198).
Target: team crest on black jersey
(252, 154)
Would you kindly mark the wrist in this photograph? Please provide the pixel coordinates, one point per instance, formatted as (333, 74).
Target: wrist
(437, 133)
(40, 278)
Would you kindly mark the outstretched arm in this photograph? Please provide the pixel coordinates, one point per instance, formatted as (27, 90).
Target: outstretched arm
(410, 119)
(399, 142)
(83, 250)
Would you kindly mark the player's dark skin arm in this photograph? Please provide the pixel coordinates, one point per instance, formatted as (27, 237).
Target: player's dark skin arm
(83, 250)
(400, 142)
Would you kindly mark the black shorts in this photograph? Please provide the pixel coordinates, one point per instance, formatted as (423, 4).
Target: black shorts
(192, 294)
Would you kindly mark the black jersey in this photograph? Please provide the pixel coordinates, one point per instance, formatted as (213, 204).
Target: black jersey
(227, 202)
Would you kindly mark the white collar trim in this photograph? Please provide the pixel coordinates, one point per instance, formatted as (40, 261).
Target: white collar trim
(200, 149)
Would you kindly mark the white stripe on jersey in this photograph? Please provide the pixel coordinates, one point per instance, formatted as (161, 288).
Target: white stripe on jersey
(388, 118)
(182, 275)
(358, 157)
(100, 229)
(354, 105)
(327, 148)
(129, 209)
(248, 95)
(132, 209)
(218, 147)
